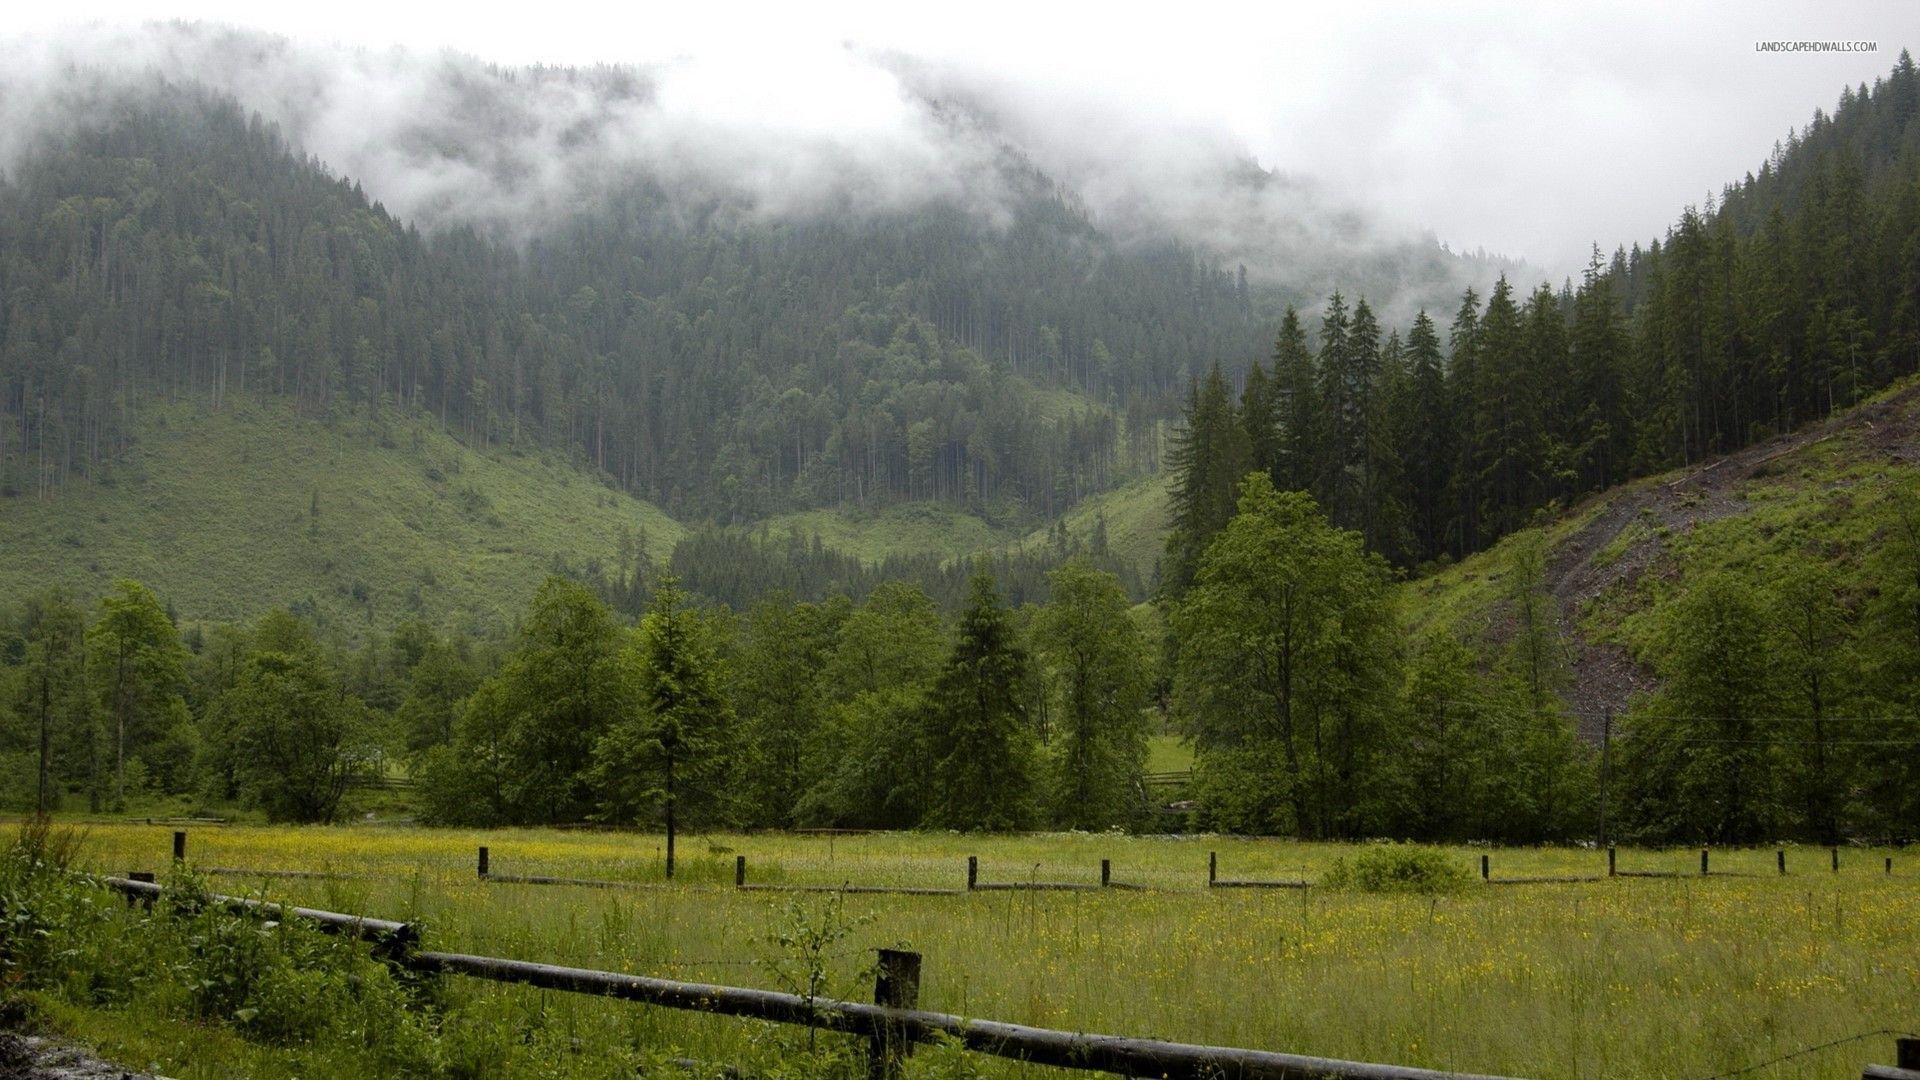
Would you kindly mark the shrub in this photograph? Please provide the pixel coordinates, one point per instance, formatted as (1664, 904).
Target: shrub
(1406, 868)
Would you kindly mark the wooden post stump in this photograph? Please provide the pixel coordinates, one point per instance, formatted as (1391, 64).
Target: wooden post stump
(1703, 862)
(1213, 867)
(973, 872)
(180, 846)
(1106, 871)
(483, 862)
(896, 985)
(1780, 859)
(739, 871)
(1612, 866)
(140, 875)
(1906, 1053)
(1486, 872)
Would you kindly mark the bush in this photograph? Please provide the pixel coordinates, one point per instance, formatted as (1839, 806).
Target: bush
(1401, 868)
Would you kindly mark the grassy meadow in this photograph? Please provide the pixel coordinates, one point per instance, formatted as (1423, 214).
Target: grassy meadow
(1629, 977)
(360, 523)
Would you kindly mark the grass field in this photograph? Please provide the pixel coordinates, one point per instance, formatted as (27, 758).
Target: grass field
(360, 523)
(1679, 977)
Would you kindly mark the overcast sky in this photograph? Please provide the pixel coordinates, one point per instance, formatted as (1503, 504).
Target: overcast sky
(1521, 129)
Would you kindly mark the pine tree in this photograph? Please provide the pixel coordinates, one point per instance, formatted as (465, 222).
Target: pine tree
(983, 748)
(1428, 445)
(676, 746)
(1596, 427)
(1208, 458)
(1296, 406)
(1463, 378)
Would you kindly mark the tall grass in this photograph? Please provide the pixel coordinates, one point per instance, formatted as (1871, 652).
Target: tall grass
(1627, 977)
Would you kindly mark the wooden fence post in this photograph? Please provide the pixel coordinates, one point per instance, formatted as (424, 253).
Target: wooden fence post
(180, 845)
(483, 861)
(1780, 859)
(1486, 872)
(1836, 860)
(973, 871)
(896, 985)
(143, 901)
(739, 871)
(1703, 862)
(1612, 867)
(1213, 867)
(1906, 1053)
(1106, 871)
(1889, 866)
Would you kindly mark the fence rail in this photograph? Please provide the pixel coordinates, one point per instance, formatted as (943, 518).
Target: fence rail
(974, 884)
(889, 1024)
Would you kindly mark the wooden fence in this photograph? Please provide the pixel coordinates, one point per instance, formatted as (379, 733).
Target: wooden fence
(1906, 1064)
(974, 884)
(891, 1024)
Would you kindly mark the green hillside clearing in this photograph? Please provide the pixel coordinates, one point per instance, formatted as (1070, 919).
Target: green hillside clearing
(363, 523)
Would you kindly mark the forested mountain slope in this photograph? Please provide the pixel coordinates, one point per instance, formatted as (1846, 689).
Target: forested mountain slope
(357, 525)
(1759, 610)
(725, 362)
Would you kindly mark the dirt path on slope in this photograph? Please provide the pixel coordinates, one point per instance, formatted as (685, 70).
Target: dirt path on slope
(1604, 679)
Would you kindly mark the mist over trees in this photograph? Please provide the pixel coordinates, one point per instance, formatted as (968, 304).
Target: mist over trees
(1796, 295)
(734, 367)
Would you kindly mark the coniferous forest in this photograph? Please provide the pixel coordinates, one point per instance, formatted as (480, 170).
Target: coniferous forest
(729, 369)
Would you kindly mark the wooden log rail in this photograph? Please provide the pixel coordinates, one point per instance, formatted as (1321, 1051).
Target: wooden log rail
(1906, 1064)
(890, 1024)
(1038, 1046)
(380, 931)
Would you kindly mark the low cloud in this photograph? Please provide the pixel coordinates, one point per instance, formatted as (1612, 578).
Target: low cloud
(444, 139)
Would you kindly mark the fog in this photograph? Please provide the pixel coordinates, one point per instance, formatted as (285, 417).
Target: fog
(1295, 145)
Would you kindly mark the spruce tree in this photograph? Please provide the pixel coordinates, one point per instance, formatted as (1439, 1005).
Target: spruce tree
(983, 748)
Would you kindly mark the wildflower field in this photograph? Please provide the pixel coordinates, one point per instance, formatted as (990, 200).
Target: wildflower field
(1623, 977)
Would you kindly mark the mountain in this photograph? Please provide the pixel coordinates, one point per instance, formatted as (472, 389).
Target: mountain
(1840, 498)
(595, 277)
(355, 524)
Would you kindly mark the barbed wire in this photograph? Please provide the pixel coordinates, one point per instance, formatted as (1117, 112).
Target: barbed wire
(763, 962)
(1804, 1051)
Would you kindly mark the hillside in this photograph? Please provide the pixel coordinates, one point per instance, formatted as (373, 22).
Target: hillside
(360, 523)
(1135, 517)
(1829, 494)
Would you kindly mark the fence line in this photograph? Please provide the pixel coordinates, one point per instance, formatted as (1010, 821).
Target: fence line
(974, 884)
(890, 1024)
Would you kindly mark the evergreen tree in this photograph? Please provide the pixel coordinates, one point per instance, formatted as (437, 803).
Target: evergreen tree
(1208, 458)
(982, 746)
(1595, 426)
(1297, 405)
(1428, 443)
(676, 744)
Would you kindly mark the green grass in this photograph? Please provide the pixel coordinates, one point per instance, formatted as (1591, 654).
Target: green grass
(908, 529)
(228, 514)
(1167, 753)
(1137, 521)
(1618, 978)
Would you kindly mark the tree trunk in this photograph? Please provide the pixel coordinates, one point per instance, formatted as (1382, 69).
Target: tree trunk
(670, 796)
